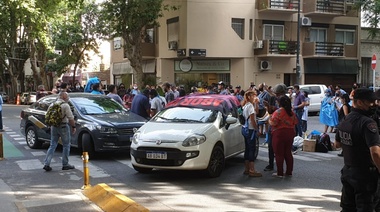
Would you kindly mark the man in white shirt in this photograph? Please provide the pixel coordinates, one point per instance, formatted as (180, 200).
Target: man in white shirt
(156, 103)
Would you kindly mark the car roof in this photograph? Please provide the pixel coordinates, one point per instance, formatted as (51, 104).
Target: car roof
(222, 103)
(78, 95)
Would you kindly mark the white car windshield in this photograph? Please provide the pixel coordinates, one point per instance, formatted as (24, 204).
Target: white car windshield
(185, 114)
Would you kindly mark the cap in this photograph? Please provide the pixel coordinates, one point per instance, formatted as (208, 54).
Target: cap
(221, 83)
(238, 86)
(279, 89)
(365, 94)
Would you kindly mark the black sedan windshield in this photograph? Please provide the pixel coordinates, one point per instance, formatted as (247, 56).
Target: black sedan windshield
(185, 114)
(96, 105)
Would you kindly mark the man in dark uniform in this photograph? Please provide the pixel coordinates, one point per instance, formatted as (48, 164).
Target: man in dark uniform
(358, 136)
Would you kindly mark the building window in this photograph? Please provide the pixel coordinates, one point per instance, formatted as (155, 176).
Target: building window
(318, 35)
(238, 25)
(117, 43)
(250, 29)
(149, 37)
(273, 32)
(173, 29)
(345, 36)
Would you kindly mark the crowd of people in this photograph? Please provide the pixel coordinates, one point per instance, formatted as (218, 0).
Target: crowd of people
(281, 114)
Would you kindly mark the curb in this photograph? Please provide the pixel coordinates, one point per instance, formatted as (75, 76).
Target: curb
(111, 200)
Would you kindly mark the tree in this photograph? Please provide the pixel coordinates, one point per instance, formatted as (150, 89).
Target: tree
(14, 49)
(371, 15)
(75, 34)
(129, 19)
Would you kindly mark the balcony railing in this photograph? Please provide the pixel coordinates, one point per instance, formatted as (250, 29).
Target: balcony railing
(291, 5)
(318, 49)
(325, 7)
(277, 47)
(330, 6)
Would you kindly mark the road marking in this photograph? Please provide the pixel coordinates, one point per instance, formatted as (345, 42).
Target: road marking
(15, 135)
(305, 156)
(19, 139)
(10, 149)
(10, 132)
(29, 164)
(95, 172)
(38, 153)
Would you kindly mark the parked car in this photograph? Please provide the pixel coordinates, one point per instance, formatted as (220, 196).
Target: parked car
(196, 132)
(316, 93)
(31, 98)
(102, 123)
(4, 96)
(24, 97)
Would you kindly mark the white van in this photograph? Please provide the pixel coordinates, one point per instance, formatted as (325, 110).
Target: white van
(316, 93)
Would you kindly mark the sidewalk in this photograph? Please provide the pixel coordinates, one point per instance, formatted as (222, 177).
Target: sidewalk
(66, 199)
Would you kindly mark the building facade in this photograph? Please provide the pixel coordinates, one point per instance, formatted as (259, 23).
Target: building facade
(242, 42)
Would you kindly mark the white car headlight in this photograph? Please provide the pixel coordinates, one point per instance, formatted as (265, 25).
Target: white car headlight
(135, 138)
(194, 140)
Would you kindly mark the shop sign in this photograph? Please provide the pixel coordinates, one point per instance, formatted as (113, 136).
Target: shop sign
(206, 65)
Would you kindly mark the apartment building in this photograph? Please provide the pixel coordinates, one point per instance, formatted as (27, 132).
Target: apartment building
(244, 41)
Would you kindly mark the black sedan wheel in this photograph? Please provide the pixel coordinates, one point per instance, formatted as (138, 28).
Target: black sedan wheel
(142, 170)
(32, 138)
(88, 145)
(216, 164)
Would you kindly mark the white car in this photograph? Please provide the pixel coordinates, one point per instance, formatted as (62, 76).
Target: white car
(316, 93)
(196, 132)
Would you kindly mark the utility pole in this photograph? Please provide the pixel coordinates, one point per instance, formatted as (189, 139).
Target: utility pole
(298, 66)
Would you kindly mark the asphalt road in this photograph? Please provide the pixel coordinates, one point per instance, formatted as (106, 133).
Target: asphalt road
(24, 186)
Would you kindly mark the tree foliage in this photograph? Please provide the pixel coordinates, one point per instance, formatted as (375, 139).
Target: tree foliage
(27, 29)
(75, 33)
(129, 20)
(370, 15)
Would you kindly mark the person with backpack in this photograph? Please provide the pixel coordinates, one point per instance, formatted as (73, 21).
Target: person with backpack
(61, 120)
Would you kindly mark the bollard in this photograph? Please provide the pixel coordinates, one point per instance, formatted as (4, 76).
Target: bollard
(86, 173)
(1, 147)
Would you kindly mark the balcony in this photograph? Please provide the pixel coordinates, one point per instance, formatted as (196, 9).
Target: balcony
(323, 50)
(277, 48)
(324, 8)
(278, 6)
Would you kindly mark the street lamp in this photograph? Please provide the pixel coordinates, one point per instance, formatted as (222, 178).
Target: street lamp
(298, 67)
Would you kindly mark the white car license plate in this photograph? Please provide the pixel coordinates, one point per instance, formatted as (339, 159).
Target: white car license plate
(157, 155)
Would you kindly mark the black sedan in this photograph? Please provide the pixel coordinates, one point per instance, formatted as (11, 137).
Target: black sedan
(102, 124)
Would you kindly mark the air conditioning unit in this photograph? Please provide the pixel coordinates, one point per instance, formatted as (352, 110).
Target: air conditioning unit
(305, 21)
(265, 65)
(173, 45)
(259, 44)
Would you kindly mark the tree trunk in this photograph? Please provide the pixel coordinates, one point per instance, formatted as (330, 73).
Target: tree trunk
(133, 53)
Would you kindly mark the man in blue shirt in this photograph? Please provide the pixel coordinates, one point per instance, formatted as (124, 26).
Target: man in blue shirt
(140, 104)
(298, 104)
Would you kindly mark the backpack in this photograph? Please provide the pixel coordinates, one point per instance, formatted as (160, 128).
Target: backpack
(241, 117)
(53, 115)
(323, 143)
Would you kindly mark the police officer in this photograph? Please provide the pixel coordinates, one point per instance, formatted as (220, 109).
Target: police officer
(358, 136)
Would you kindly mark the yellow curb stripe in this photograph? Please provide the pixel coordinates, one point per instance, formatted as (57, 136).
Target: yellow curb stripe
(111, 200)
